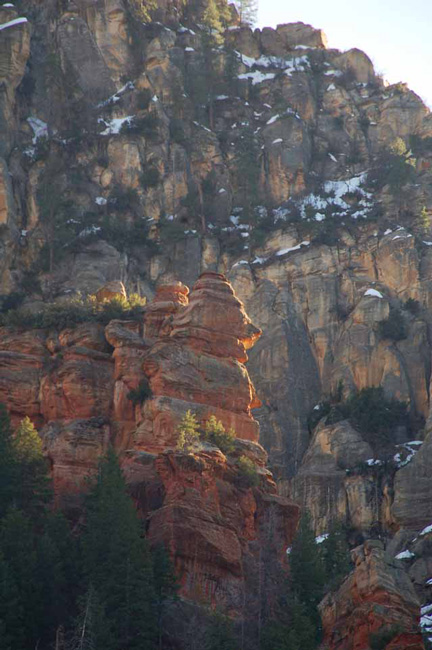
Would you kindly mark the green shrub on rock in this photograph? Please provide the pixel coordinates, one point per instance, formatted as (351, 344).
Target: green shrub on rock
(215, 433)
(394, 327)
(248, 472)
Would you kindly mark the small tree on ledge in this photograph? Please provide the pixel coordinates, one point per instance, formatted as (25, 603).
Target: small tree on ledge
(188, 432)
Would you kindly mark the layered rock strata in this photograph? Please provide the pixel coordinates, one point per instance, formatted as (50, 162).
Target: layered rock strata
(375, 604)
(190, 352)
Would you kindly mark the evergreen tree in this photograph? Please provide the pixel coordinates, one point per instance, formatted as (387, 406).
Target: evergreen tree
(211, 20)
(117, 562)
(165, 583)
(220, 634)
(57, 574)
(188, 432)
(306, 565)
(17, 543)
(307, 575)
(336, 555)
(11, 610)
(32, 484)
(7, 462)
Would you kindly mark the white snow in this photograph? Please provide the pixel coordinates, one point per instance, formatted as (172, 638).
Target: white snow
(219, 98)
(240, 263)
(333, 73)
(404, 236)
(91, 230)
(222, 190)
(277, 141)
(428, 243)
(331, 87)
(388, 231)
(8, 4)
(259, 260)
(373, 461)
(284, 251)
(273, 119)
(332, 195)
(202, 126)
(426, 609)
(321, 538)
(100, 200)
(429, 583)
(184, 30)
(410, 451)
(189, 49)
(15, 21)
(332, 157)
(114, 125)
(40, 128)
(425, 531)
(257, 77)
(405, 555)
(373, 292)
(116, 97)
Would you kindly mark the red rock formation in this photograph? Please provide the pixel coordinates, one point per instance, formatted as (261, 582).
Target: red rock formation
(169, 299)
(377, 599)
(199, 366)
(213, 524)
(77, 382)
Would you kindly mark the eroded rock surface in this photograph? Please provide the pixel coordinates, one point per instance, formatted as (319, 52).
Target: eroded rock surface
(377, 599)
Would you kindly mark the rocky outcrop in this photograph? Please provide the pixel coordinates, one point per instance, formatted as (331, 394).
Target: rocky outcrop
(199, 366)
(190, 354)
(212, 523)
(327, 487)
(376, 602)
(413, 486)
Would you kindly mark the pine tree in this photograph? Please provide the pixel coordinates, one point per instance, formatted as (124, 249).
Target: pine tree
(165, 583)
(307, 571)
(17, 543)
(117, 562)
(11, 610)
(188, 432)
(33, 486)
(57, 574)
(220, 634)
(306, 564)
(336, 555)
(212, 23)
(7, 462)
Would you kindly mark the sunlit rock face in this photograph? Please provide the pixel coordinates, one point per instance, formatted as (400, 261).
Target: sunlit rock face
(200, 366)
(76, 384)
(376, 597)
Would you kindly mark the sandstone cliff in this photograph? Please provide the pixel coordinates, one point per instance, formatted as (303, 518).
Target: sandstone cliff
(120, 149)
(76, 383)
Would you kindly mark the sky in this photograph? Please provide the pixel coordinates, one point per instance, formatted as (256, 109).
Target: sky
(395, 34)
